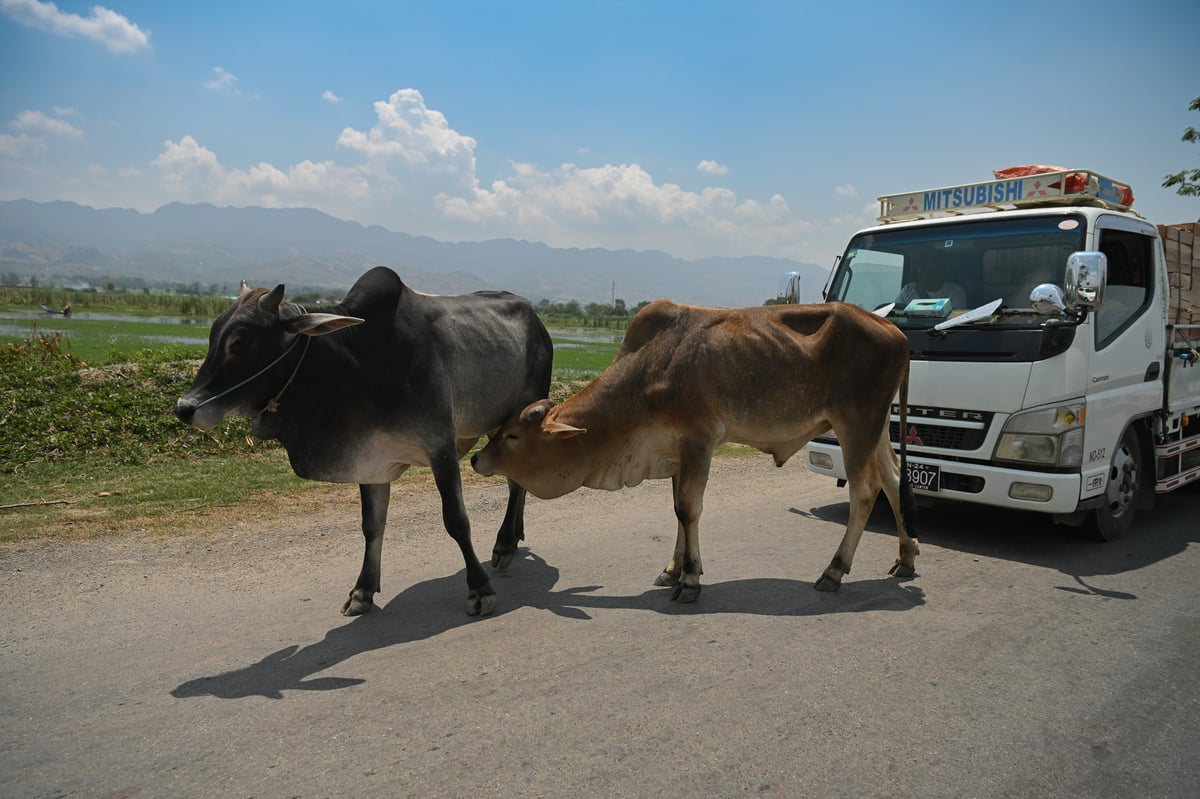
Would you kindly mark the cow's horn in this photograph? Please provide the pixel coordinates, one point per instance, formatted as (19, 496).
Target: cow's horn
(270, 302)
(536, 412)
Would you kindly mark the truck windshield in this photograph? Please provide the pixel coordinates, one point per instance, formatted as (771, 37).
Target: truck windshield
(942, 270)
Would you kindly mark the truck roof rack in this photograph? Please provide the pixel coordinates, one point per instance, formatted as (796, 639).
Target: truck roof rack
(1062, 187)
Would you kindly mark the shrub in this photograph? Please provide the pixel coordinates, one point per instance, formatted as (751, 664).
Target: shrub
(55, 409)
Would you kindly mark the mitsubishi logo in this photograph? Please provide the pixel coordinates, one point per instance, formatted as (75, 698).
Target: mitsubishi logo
(912, 437)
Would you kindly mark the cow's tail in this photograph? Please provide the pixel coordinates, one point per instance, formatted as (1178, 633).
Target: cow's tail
(908, 500)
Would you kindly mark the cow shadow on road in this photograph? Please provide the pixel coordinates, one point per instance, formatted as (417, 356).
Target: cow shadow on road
(756, 596)
(433, 607)
(421, 611)
(1034, 539)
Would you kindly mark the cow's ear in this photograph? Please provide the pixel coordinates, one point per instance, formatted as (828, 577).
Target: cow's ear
(319, 324)
(536, 412)
(560, 430)
(270, 301)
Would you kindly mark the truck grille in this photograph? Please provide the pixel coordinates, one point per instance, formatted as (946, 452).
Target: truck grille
(928, 434)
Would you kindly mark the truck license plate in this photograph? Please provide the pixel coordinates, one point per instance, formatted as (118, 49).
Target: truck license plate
(924, 476)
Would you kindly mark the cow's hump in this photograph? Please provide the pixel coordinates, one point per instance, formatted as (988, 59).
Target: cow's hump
(374, 295)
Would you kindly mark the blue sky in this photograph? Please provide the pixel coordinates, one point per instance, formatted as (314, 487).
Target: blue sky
(696, 128)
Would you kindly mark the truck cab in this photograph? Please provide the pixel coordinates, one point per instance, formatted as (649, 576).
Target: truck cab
(1036, 310)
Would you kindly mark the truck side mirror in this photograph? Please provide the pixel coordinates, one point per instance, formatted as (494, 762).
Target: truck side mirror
(789, 288)
(1085, 279)
(1047, 299)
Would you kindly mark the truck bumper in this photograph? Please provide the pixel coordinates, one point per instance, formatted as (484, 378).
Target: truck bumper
(968, 482)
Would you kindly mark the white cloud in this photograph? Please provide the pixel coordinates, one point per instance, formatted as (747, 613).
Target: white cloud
(222, 81)
(35, 122)
(615, 204)
(845, 190)
(419, 136)
(18, 148)
(416, 173)
(35, 129)
(712, 168)
(330, 97)
(188, 167)
(107, 27)
(193, 172)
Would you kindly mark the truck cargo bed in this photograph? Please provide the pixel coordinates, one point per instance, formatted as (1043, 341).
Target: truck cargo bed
(1183, 272)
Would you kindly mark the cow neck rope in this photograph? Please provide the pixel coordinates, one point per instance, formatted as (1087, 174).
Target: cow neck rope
(272, 404)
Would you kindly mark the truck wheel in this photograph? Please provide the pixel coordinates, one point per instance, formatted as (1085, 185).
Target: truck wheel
(1110, 522)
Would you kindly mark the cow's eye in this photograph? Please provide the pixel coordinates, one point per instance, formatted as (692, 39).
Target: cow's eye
(236, 346)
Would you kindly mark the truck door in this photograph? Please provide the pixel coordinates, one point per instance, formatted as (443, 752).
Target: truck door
(1125, 376)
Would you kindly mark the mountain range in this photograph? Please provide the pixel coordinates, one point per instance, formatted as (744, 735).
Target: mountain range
(200, 244)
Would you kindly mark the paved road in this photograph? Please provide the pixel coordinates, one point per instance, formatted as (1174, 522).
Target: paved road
(1019, 662)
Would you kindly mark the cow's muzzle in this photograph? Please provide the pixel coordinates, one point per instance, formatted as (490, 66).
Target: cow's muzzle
(185, 410)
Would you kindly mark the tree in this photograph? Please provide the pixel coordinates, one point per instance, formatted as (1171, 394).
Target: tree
(1187, 182)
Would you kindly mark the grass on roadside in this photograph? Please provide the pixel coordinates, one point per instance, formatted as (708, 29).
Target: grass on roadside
(94, 498)
(90, 450)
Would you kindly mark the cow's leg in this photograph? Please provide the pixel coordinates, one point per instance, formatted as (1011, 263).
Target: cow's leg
(689, 503)
(670, 575)
(899, 494)
(481, 599)
(862, 473)
(512, 529)
(374, 520)
(862, 498)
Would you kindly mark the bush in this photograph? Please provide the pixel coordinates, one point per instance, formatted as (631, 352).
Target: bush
(55, 409)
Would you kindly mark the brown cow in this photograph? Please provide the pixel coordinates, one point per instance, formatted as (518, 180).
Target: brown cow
(687, 379)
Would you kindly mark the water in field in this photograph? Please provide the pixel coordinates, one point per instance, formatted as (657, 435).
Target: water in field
(44, 319)
(95, 334)
(572, 337)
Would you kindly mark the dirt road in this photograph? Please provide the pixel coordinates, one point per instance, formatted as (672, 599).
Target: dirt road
(1019, 662)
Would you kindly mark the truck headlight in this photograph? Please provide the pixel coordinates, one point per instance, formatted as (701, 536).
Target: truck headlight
(1050, 436)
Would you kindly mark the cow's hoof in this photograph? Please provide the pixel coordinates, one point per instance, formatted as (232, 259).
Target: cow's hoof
(827, 583)
(356, 607)
(502, 559)
(901, 569)
(481, 604)
(666, 579)
(685, 593)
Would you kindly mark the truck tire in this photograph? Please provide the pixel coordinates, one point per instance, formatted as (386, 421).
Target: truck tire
(1112, 520)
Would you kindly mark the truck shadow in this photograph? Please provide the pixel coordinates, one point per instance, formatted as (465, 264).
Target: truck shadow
(1032, 538)
(433, 607)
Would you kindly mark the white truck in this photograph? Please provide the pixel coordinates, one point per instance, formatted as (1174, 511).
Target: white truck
(1053, 334)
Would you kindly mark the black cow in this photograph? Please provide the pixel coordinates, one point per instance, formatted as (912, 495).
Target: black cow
(407, 379)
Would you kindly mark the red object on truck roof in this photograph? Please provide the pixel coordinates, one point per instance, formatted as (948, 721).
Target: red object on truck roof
(1076, 181)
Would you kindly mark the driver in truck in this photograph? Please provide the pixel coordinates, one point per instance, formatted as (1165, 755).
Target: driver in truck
(931, 284)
